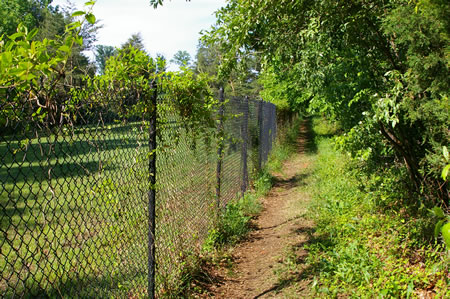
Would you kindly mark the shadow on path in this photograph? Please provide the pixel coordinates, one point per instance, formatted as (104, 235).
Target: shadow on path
(280, 226)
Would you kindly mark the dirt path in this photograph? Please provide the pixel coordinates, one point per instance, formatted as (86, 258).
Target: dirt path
(281, 229)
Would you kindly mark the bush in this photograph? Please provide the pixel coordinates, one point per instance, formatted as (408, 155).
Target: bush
(233, 224)
(364, 244)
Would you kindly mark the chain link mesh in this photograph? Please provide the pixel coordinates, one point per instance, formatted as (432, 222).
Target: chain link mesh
(74, 192)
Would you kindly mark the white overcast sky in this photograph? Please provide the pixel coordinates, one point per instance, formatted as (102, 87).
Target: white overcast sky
(167, 29)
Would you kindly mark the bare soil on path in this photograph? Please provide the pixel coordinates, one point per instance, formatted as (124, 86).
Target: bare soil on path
(281, 231)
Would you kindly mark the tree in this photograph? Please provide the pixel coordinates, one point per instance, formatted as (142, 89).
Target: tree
(241, 81)
(30, 13)
(53, 23)
(32, 72)
(156, 3)
(181, 58)
(378, 67)
(79, 63)
(102, 53)
(136, 41)
(207, 59)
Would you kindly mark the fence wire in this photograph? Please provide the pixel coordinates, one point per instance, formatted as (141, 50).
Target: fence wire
(75, 187)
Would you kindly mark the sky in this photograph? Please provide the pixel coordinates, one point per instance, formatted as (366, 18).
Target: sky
(165, 30)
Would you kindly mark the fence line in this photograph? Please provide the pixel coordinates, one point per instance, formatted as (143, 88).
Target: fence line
(115, 204)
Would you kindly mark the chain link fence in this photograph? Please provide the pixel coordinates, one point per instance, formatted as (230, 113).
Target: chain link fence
(79, 184)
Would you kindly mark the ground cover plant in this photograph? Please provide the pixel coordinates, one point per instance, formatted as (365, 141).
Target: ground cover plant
(234, 222)
(362, 247)
(65, 196)
(70, 153)
(380, 68)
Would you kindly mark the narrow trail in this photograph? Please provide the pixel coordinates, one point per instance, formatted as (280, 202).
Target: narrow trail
(257, 270)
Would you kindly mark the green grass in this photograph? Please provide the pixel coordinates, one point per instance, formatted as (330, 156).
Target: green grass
(74, 206)
(61, 199)
(74, 211)
(284, 147)
(234, 223)
(360, 249)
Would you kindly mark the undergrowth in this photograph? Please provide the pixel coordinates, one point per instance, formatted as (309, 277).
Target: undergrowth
(284, 148)
(234, 223)
(362, 249)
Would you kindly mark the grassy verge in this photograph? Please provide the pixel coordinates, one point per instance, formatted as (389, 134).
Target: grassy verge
(235, 221)
(361, 249)
(284, 148)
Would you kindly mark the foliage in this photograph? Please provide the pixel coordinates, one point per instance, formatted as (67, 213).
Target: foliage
(31, 13)
(31, 70)
(360, 250)
(134, 77)
(286, 145)
(378, 67)
(102, 53)
(34, 80)
(446, 234)
(134, 41)
(79, 64)
(280, 91)
(233, 224)
(239, 82)
(442, 225)
(181, 58)
(156, 3)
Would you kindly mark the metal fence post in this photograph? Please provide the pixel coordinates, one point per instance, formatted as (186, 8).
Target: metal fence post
(220, 147)
(244, 135)
(274, 112)
(152, 194)
(261, 133)
(271, 131)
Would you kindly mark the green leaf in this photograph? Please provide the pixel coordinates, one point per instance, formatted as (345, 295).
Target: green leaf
(437, 228)
(79, 40)
(64, 48)
(73, 26)
(89, 3)
(445, 172)
(445, 152)
(78, 13)
(27, 77)
(437, 211)
(15, 72)
(7, 58)
(446, 234)
(16, 35)
(32, 33)
(90, 18)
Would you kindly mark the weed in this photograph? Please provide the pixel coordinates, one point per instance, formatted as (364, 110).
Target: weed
(234, 222)
(284, 148)
(361, 248)
(263, 183)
